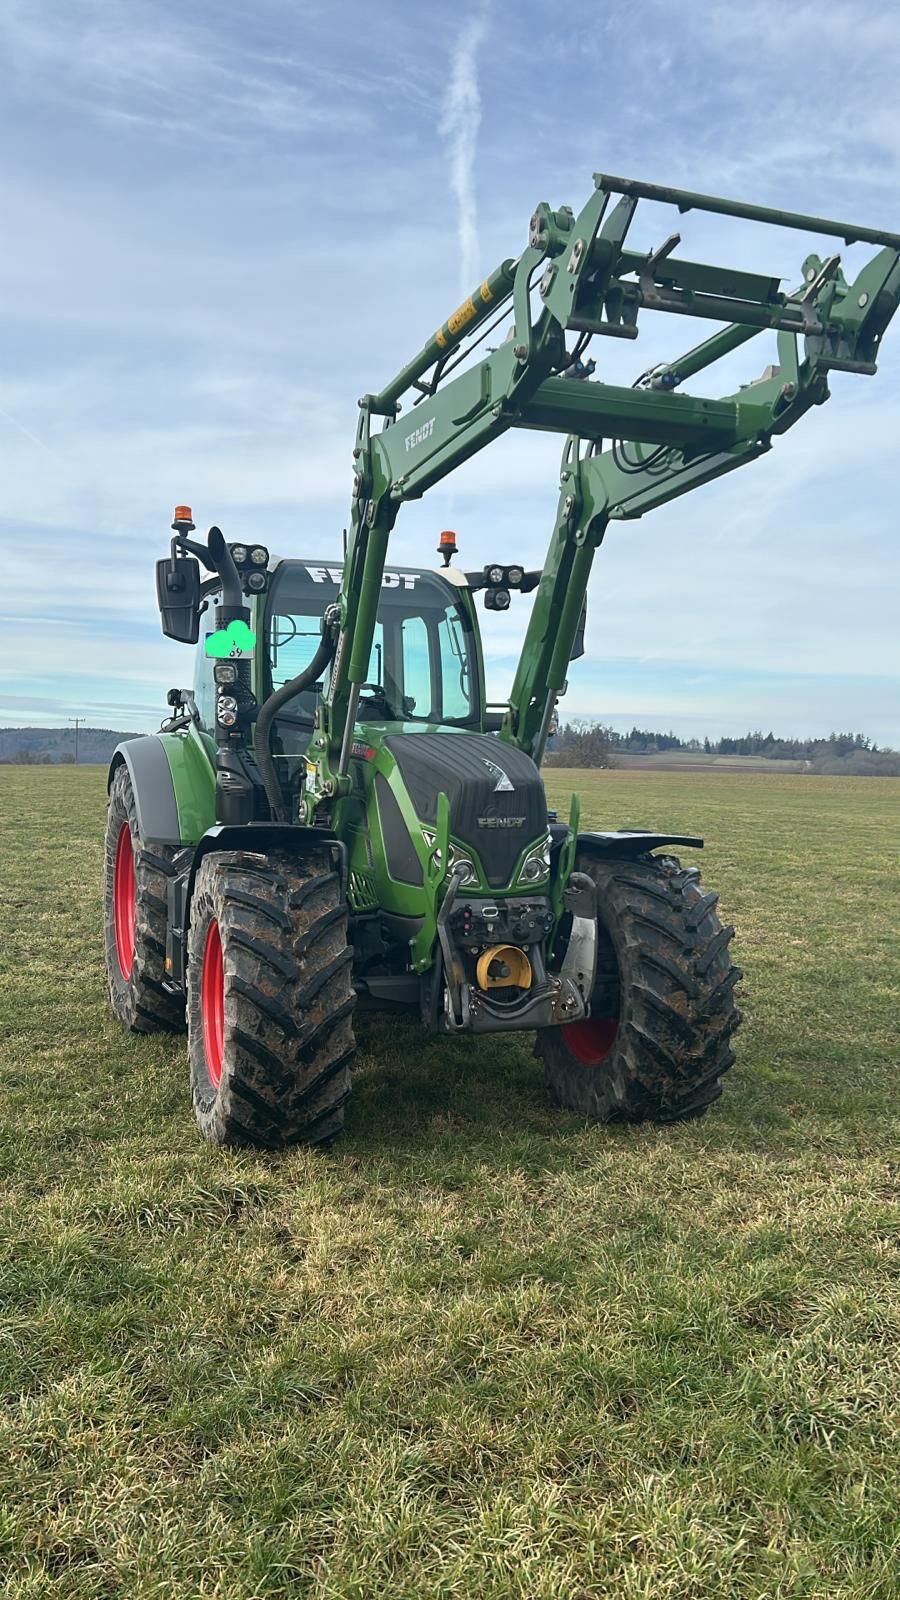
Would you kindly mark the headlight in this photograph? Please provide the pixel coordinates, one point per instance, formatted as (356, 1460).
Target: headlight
(514, 576)
(464, 865)
(239, 554)
(259, 556)
(225, 672)
(532, 871)
(459, 861)
(536, 865)
(256, 581)
(495, 576)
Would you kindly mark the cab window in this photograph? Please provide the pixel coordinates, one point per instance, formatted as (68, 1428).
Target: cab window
(422, 666)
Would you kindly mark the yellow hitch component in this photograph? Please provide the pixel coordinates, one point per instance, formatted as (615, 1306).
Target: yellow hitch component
(503, 966)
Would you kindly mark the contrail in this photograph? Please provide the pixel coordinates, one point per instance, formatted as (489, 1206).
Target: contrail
(459, 125)
(15, 423)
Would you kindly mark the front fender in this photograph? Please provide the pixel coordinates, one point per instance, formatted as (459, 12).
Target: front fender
(152, 787)
(630, 842)
(255, 837)
(174, 786)
(266, 836)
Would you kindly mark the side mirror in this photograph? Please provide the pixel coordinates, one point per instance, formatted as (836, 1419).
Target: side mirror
(578, 643)
(178, 595)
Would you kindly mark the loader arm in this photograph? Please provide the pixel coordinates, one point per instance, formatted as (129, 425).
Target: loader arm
(576, 277)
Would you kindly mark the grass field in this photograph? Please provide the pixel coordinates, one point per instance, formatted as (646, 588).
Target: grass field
(479, 1349)
(697, 761)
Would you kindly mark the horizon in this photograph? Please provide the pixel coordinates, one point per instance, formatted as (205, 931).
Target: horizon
(208, 272)
(620, 724)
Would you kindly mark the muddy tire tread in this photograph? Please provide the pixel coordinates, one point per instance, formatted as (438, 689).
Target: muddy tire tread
(142, 1003)
(677, 1005)
(289, 999)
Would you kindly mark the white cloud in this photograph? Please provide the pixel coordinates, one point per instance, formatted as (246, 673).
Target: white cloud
(125, 62)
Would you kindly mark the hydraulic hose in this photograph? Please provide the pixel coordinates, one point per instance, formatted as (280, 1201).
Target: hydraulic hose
(267, 713)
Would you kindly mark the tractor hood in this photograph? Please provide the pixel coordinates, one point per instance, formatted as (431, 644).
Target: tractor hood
(497, 799)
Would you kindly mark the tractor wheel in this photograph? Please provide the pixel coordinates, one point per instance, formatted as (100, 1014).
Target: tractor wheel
(270, 999)
(658, 1038)
(135, 877)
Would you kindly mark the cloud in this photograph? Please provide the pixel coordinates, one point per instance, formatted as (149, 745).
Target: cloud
(125, 62)
(749, 72)
(460, 121)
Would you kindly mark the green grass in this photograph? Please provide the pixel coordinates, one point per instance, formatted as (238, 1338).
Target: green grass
(479, 1349)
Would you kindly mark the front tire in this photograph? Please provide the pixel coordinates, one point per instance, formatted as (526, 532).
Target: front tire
(135, 880)
(663, 1011)
(270, 999)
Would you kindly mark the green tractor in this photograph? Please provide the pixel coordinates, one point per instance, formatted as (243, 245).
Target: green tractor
(335, 816)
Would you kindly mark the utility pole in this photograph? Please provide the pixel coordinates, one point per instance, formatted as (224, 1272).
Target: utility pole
(78, 722)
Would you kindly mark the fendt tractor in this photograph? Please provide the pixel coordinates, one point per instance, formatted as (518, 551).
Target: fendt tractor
(335, 815)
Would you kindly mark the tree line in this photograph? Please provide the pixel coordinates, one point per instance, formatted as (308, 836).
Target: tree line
(586, 744)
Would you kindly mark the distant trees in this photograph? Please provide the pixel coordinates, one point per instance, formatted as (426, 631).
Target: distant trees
(580, 744)
(587, 744)
(869, 763)
(28, 757)
(641, 741)
(39, 746)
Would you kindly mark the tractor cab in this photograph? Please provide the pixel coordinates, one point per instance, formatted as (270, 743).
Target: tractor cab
(425, 681)
(425, 667)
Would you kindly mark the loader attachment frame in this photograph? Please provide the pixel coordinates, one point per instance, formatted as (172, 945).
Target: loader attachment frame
(627, 450)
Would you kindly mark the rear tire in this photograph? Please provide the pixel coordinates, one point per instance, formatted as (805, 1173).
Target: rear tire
(270, 999)
(135, 912)
(663, 1011)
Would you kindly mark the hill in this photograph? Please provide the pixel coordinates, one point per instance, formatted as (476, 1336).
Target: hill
(26, 745)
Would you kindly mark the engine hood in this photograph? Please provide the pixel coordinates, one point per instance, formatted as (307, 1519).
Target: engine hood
(497, 800)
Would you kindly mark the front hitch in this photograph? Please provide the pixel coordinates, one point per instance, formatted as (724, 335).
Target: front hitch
(580, 961)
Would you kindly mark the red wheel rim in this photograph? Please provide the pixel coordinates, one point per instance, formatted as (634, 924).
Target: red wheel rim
(212, 1003)
(124, 900)
(591, 1040)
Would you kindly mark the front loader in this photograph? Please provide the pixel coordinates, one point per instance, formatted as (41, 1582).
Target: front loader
(335, 816)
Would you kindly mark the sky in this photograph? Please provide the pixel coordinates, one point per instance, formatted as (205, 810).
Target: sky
(220, 224)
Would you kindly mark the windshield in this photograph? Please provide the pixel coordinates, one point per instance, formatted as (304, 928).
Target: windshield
(422, 666)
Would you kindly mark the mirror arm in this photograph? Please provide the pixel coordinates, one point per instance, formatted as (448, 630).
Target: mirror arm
(193, 548)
